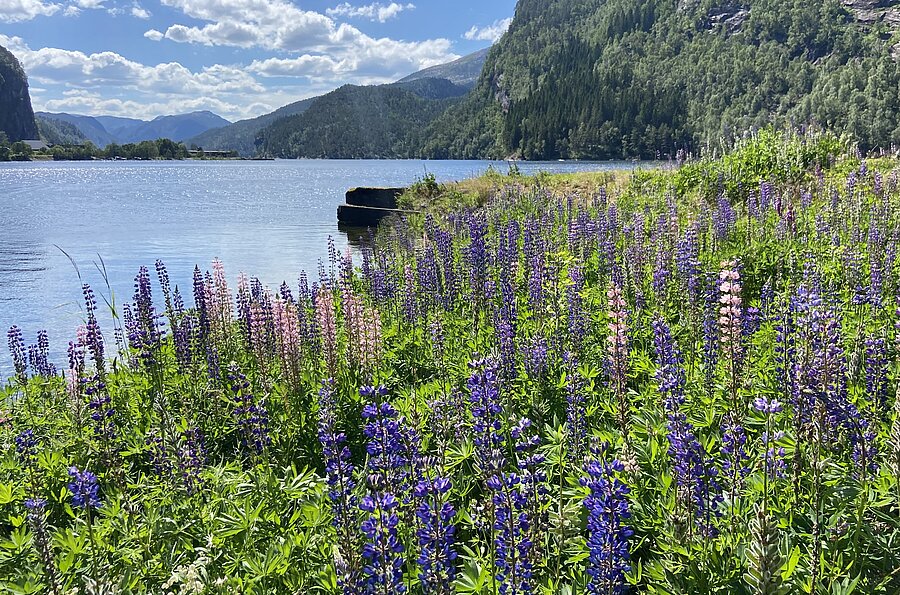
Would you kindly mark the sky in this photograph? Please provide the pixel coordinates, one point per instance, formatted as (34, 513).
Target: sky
(237, 58)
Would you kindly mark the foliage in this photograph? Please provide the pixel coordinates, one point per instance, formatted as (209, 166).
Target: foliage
(589, 79)
(631, 390)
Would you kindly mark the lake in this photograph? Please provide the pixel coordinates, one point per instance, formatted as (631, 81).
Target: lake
(270, 219)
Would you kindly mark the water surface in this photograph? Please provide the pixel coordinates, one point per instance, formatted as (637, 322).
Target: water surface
(270, 219)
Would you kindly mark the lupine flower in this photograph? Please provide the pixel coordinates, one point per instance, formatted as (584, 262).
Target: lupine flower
(483, 385)
(535, 357)
(710, 330)
(877, 365)
(608, 531)
(512, 526)
(192, 459)
(327, 326)
(364, 329)
(159, 456)
(17, 350)
(730, 315)
(339, 474)
(36, 515)
(387, 461)
(250, 414)
(576, 416)
(39, 356)
(617, 348)
(435, 534)
(693, 470)
(84, 488)
(382, 550)
(93, 338)
(734, 452)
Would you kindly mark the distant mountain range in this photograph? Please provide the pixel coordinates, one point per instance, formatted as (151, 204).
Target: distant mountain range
(106, 130)
(263, 134)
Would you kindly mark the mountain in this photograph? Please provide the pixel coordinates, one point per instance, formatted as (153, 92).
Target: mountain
(90, 128)
(242, 136)
(106, 130)
(463, 72)
(59, 132)
(619, 78)
(16, 115)
(354, 122)
(177, 128)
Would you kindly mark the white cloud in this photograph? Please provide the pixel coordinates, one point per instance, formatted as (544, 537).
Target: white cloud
(279, 25)
(374, 12)
(139, 11)
(88, 4)
(15, 11)
(103, 69)
(492, 32)
(154, 35)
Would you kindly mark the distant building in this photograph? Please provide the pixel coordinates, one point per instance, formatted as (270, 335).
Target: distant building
(36, 145)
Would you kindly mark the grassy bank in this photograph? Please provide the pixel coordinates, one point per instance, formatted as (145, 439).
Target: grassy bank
(670, 381)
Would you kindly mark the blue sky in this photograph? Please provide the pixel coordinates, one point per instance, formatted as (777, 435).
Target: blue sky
(238, 58)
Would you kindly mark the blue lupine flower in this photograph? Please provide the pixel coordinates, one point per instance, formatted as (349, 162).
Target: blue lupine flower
(693, 470)
(511, 543)
(608, 532)
(251, 415)
(85, 489)
(435, 533)
(26, 447)
(382, 551)
(484, 389)
(17, 350)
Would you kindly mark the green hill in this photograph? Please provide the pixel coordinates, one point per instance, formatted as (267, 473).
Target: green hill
(355, 122)
(59, 132)
(16, 115)
(621, 78)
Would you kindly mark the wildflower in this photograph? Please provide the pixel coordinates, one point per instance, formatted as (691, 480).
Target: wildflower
(191, 459)
(250, 414)
(327, 326)
(17, 350)
(694, 473)
(483, 387)
(435, 533)
(36, 516)
(617, 347)
(382, 551)
(576, 416)
(84, 488)
(608, 532)
(511, 544)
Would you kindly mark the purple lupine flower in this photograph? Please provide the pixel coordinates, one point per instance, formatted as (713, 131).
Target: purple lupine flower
(775, 460)
(608, 531)
(36, 516)
(145, 335)
(436, 536)
(578, 324)
(877, 366)
(724, 218)
(94, 337)
(386, 468)
(576, 416)
(17, 350)
(39, 356)
(163, 275)
(159, 456)
(250, 415)
(687, 262)
(533, 482)
(476, 254)
(102, 412)
(84, 488)
(339, 474)
(710, 330)
(512, 547)
(382, 550)
(734, 452)
(26, 448)
(483, 385)
(192, 459)
(506, 341)
(693, 470)
(535, 357)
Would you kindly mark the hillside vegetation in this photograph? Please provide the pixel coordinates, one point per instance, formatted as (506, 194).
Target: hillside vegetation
(618, 78)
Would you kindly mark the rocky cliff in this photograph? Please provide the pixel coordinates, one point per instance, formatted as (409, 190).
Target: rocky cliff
(16, 116)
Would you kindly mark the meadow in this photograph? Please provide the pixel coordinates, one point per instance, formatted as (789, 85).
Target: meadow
(667, 381)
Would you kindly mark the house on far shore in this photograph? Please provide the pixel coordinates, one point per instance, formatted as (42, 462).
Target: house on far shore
(36, 145)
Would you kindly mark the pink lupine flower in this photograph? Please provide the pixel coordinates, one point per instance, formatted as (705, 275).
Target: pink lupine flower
(327, 326)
